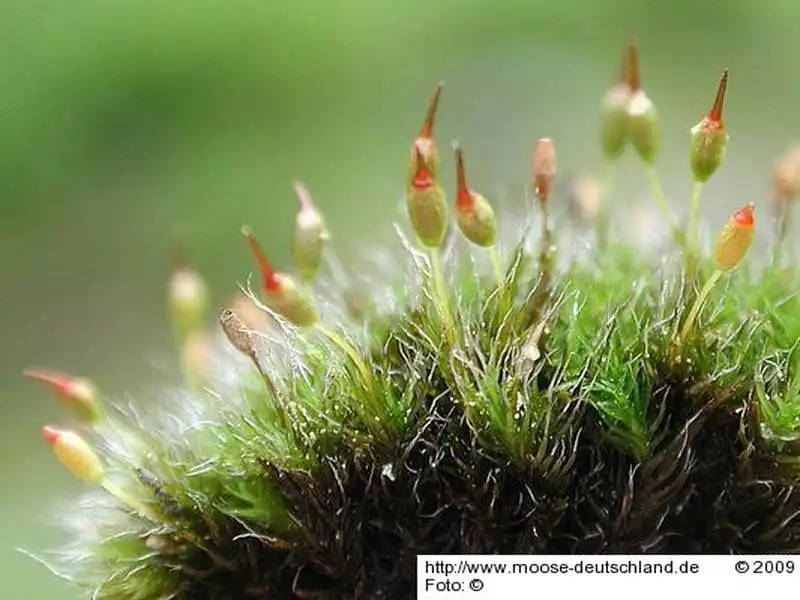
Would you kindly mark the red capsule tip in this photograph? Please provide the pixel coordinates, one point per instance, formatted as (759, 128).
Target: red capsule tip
(51, 434)
(632, 76)
(715, 115)
(422, 176)
(746, 217)
(268, 276)
(60, 382)
(463, 195)
(303, 195)
(430, 116)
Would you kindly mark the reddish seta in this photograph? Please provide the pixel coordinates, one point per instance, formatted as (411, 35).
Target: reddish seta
(464, 196)
(631, 71)
(714, 119)
(62, 384)
(269, 278)
(426, 132)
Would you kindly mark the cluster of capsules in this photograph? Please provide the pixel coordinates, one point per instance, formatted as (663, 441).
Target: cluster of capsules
(629, 118)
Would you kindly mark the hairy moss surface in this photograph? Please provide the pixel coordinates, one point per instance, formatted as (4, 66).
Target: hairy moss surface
(547, 399)
(597, 442)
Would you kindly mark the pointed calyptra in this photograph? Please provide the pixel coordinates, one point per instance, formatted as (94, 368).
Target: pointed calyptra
(75, 454)
(544, 167)
(643, 123)
(710, 138)
(310, 234)
(282, 293)
(78, 394)
(735, 239)
(427, 205)
(188, 296)
(614, 115)
(474, 214)
(424, 143)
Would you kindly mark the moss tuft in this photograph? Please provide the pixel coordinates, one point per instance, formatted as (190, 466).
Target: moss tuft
(558, 404)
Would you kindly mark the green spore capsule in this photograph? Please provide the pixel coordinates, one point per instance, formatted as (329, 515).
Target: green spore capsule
(310, 235)
(282, 293)
(474, 214)
(643, 125)
(427, 206)
(709, 140)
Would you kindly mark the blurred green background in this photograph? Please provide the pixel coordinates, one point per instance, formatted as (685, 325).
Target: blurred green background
(123, 121)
